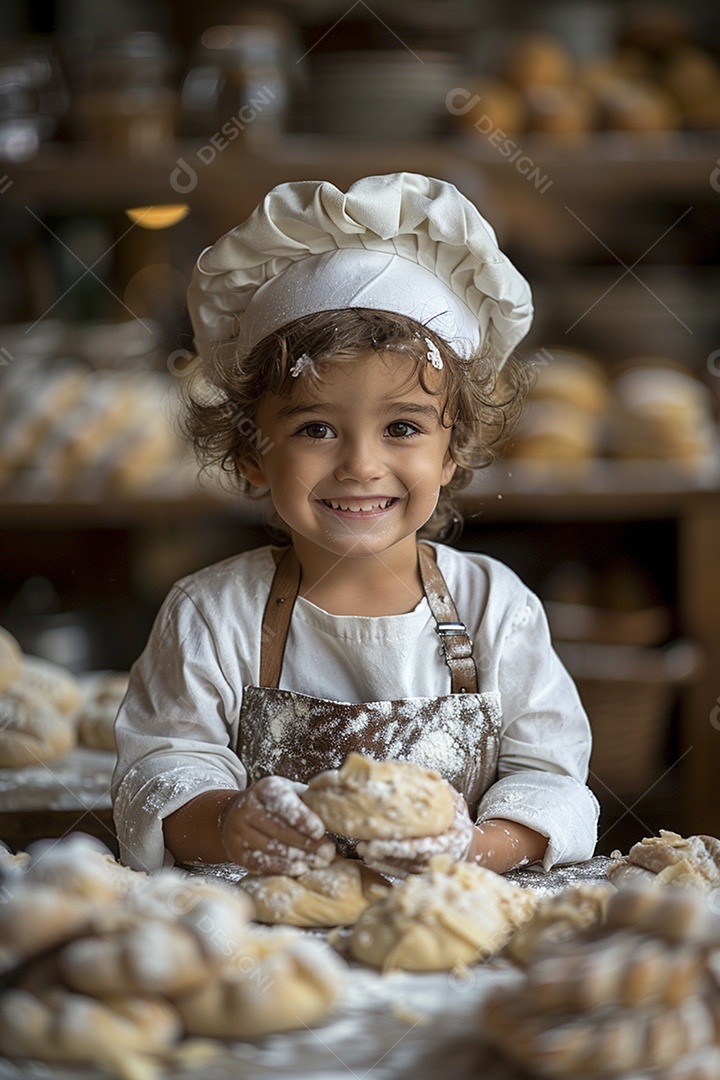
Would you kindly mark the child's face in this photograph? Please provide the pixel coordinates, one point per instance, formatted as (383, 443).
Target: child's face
(357, 458)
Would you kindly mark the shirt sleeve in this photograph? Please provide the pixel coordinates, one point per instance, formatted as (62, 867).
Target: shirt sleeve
(173, 730)
(545, 743)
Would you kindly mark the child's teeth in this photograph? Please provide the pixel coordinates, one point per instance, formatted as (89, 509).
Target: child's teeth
(382, 505)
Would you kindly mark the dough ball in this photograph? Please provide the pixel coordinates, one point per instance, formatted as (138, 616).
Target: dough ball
(559, 918)
(152, 957)
(96, 714)
(573, 378)
(33, 919)
(675, 915)
(381, 800)
(273, 983)
(633, 995)
(11, 659)
(31, 730)
(216, 914)
(81, 866)
(455, 913)
(538, 58)
(556, 431)
(678, 860)
(51, 682)
(335, 896)
(661, 412)
(615, 1042)
(63, 1027)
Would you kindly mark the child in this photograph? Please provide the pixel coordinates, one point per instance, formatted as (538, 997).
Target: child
(351, 344)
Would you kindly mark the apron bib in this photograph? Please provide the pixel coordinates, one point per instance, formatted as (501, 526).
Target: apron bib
(297, 736)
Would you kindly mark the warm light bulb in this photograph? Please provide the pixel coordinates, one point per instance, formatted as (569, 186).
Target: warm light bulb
(158, 217)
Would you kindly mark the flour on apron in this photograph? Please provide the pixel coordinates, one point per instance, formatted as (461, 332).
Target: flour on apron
(295, 735)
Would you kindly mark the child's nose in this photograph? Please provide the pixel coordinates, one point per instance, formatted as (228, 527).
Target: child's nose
(359, 460)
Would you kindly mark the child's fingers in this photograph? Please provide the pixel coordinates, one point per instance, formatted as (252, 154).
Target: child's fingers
(281, 797)
(252, 819)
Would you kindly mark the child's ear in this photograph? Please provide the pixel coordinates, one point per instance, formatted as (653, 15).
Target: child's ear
(448, 468)
(251, 469)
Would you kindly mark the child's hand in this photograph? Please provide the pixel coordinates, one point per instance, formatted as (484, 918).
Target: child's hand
(402, 857)
(269, 829)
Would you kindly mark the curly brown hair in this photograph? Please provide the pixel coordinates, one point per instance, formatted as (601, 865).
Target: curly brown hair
(481, 404)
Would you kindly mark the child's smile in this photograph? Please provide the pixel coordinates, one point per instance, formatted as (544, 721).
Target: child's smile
(357, 508)
(357, 459)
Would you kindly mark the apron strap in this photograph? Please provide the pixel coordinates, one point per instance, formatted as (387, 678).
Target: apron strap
(278, 613)
(456, 643)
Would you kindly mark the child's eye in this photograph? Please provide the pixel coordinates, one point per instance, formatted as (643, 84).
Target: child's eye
(402, 429)
(316, 431)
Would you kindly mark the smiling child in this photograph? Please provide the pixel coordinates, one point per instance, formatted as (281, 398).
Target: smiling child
(354, 350)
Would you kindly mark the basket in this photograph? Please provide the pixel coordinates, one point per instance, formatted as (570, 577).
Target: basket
(628, 693)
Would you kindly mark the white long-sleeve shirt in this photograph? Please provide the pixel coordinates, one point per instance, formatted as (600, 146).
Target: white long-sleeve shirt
(180, 716)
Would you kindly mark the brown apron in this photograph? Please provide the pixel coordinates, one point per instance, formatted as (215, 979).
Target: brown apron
(294, 735)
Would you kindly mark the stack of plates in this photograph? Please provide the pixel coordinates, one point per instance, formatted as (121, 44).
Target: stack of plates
(381, 95)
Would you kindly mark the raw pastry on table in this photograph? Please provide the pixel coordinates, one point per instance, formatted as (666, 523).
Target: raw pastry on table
(95, 717)
(670, 859)
(453, 914)
(334, 896)
(109, 966)
(639, 993)
(381, 800)
(37, 701)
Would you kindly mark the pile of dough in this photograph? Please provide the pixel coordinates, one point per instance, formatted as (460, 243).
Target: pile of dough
(670, 859)
(454, 913)
(123, 1034)
(95, 717)
(153, 956)
(56, 890)
(662, 412)
(10, 659)
(566, 410)
(274, 983)
(32, 730)
(557, 918)
(335, 896)
(381, 800)
(37, 703)
(90, 951)
(82, 866)
(638, 993)
(52, 683)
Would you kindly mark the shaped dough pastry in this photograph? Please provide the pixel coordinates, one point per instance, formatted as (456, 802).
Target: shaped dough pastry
(635, 994)
(81, 866)
(152, 957)
(455, 913)
(31, 730)
(697, 856)
(63, 1027)
(50, 682)
(381, 800)
(10, 659)
(33, 919)
(558, 918)
(336, 896)
(95, 717)
(277, 982)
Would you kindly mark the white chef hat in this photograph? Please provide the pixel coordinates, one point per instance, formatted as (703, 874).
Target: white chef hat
(404, 243)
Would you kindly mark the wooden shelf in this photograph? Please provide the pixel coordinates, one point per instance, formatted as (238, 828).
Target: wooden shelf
(610, 163)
